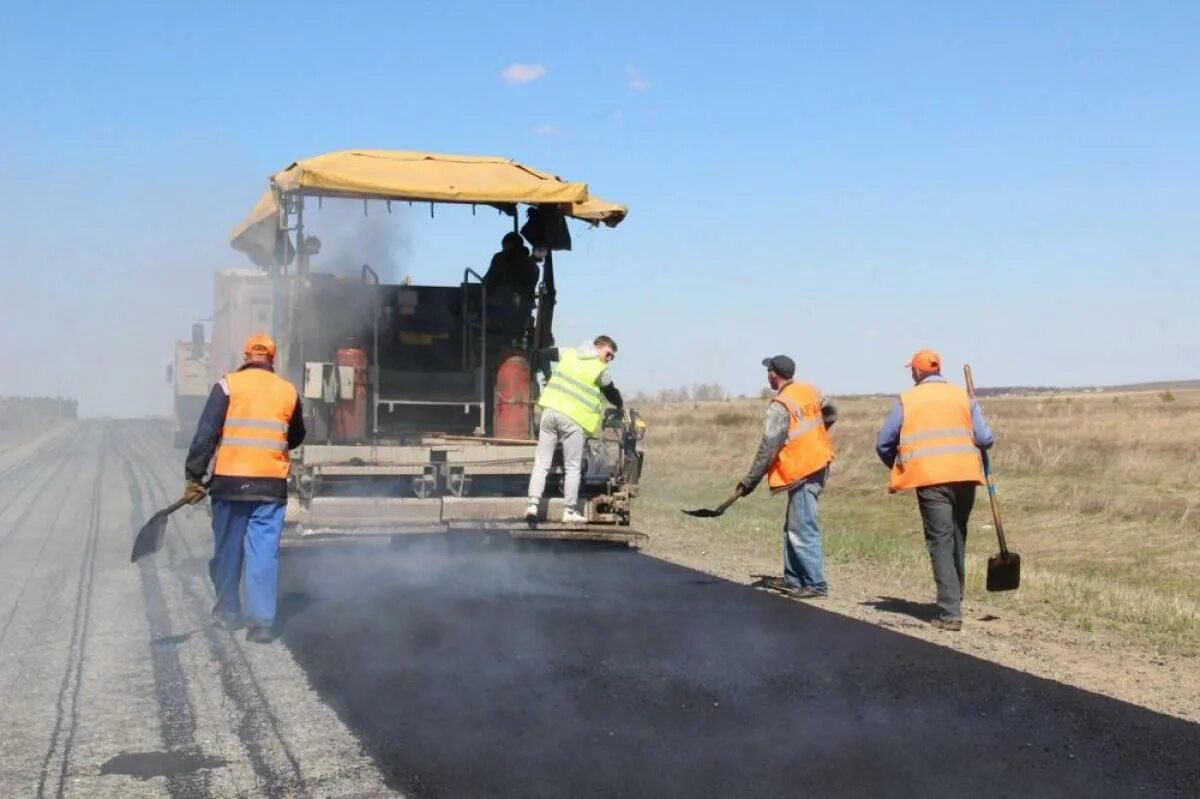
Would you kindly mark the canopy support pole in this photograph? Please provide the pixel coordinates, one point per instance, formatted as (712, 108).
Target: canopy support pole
(542, 329)
(542, 334)
(301, 250)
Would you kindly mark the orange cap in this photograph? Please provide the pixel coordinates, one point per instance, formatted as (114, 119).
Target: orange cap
(260, 344)
(925, 361)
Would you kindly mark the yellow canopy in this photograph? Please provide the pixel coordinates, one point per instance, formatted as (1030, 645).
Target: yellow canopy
(430, 177)
(257, 233)
(596, 210)
(424, 177)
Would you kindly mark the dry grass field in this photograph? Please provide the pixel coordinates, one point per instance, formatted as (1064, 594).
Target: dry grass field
(1100, 495)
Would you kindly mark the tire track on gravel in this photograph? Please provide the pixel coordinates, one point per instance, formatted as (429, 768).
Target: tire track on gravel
(56, 460)
(238, 680)
(53, 470)
(29, 572)
(176, 716)
(77, 650)
(34, 456)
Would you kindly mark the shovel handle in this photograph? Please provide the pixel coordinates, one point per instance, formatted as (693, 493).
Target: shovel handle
(724, 506)
(176, 505)
(987, 474)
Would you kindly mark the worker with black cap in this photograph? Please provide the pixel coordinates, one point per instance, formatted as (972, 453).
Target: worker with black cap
(794, 455)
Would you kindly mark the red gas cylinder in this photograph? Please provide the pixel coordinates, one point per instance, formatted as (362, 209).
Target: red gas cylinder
(350, 413)
(512, 399)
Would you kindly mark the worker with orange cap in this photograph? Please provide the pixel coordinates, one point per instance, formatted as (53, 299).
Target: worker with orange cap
(250, 422)
(931, 442)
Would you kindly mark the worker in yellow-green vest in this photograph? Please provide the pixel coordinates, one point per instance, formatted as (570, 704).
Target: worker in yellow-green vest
(572, 411)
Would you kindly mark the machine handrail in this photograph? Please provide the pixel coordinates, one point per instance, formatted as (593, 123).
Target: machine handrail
(374, 363)
(467, 274)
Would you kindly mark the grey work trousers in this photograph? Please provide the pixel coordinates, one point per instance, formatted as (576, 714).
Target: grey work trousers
(945, 510)
(553, 428)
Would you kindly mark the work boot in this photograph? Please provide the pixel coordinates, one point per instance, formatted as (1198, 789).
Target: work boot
(227, 620)
(259, 634)
(949, 625)
(531, 511)
(573, 517)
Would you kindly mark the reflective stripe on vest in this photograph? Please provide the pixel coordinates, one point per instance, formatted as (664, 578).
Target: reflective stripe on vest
(937, 443)
(809, 448)
(254, 437)
(255, 443)
(572, 390)
(257, 424)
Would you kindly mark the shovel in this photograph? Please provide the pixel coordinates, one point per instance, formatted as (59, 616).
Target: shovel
(150, 538)
(712, 513)
(1003, 569)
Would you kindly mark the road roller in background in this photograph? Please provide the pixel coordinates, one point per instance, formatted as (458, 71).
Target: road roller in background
(420, 400)
(189, 373)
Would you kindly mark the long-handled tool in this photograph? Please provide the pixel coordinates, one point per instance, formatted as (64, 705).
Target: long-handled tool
(1004, 569)
(149, 539)
(712, 513)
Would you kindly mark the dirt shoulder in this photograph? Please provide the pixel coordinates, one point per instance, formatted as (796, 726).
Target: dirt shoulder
(1097, 662)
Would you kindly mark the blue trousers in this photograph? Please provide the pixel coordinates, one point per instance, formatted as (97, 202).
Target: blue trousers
(246, 533)
(803, 562)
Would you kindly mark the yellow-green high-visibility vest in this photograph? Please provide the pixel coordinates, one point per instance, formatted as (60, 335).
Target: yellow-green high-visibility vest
(572, 389)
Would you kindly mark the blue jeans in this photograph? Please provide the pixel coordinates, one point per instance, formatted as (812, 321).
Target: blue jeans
(802, 558)
(249, 532)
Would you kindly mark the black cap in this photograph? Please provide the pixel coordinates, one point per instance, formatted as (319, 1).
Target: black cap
(781, 365)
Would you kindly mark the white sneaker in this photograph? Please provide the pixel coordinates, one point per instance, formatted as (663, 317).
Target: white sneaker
(573, 517)
(531, 511)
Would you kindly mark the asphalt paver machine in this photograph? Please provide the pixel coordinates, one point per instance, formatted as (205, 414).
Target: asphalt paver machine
(420, 399)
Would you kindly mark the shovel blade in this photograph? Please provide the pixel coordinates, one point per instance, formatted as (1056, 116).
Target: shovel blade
(704, 513)
(150, 538)
(1004, 572)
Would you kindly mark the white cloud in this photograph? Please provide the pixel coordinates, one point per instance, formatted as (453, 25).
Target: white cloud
(637, 81)
(522, 73)
(545, 129)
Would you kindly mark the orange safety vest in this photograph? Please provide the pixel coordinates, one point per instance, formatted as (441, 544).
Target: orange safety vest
(254, 438)
(937, 443)
(808, 449)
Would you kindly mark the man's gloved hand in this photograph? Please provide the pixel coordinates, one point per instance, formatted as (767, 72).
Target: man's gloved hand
(193, 492)
(744, 488)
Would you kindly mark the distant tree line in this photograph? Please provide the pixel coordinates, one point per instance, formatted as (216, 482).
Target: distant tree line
(18, 410)
(700, 392)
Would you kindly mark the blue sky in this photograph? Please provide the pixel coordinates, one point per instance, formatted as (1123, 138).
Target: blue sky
(1014, 184)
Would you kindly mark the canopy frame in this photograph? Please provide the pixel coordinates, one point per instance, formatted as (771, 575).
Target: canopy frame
(413, 177)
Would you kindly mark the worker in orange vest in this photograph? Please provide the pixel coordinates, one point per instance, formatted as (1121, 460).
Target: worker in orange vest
(250, 422)
(931, 442)
(794, 455)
